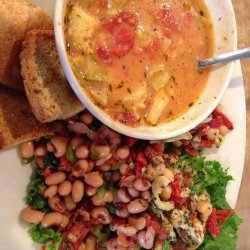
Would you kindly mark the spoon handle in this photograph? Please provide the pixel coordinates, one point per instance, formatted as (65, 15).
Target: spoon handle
(228, 57)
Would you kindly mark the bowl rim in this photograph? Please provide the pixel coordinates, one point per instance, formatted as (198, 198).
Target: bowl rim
(105, 118)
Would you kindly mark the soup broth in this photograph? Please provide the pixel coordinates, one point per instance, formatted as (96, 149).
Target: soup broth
(136, 59)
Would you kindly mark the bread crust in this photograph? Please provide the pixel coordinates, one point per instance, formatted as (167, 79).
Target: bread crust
(17, 17)
(17, 122)
(49, 94)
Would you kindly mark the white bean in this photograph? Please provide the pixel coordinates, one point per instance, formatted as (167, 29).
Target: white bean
(82, 152)
(55, 178)
(142, 184)
(137, 206)
(123, 195)
(94, 179)
(146, 238)
(138, 223)
(69, 203)
(59, 144)
(27, 149)
(134, 193)
(122, 152)
(77, 190)
(31, 215)
(76, 142)
(65, 188)
(52, 219)
(50, 191)
(126, 229)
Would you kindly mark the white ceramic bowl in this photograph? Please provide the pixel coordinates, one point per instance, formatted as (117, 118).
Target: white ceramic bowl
(223, 17)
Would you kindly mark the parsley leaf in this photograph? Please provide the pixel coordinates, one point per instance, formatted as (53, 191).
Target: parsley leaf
(34, 195)
(45, 236)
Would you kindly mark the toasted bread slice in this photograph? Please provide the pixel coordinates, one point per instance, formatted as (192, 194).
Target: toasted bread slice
(16, 18)
(49, 94)
(17, 122)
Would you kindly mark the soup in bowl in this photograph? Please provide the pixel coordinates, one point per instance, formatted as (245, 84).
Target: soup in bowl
(133, 63)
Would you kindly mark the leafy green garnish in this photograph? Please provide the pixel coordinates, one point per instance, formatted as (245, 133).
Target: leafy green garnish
(101, 237)
(111, 207)
(26, 161)
(70, 154)
(206, 173)
(166, 245)
(101, 191)
(34, 195)
(49, 161)
(44, 236)
(211, 176)
(94, 155)
(115, 166)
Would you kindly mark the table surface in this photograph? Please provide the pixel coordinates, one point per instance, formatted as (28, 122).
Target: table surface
(243, 204)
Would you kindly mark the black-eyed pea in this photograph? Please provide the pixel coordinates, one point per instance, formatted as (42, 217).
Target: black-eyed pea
(145, 195)
(126, 230)
(59, 144)
(101, 214)
(101, 201)
(142, 184)
(146, 238)
(56, 204)
(50, 191)
(77, 191)
(40, 151)
(134, 193)
(90, 242)
(65, 221)
(52, 219)
(31, 215)
(138, 223)
(76, 142)
(55, 178)
(27, 149)
(123, 195)
(86, 118)
(82, 152)
(122, 152)
(91, 191)
(69, 203)
(137, 206)
(65, 188)
(94, 179)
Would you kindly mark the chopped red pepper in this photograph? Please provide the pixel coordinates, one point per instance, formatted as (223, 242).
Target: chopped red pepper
(47, 172)
(162, 232)
(138, 169)
(190, 150)
(176, 195)
(140, 158)
(223, 118)
(150, 153)
(206, 143)
(159, 147)
(130, 141)
(111, 160)
(215, 123)
(65, 164)
(118, 221)
(216, 220)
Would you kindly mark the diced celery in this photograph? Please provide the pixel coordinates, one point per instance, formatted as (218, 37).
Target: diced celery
(93, 72)
(156, 69)
(70, 154)
(160, 80)
(159, 103)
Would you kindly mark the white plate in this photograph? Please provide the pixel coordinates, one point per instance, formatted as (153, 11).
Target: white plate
(14, 177)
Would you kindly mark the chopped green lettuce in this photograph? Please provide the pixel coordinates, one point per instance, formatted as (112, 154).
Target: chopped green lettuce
(34, 195)
(45, 236)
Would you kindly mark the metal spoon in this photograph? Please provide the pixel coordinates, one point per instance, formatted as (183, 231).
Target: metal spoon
(228, 57)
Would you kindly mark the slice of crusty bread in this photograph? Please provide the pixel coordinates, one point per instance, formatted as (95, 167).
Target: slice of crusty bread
(17, 122)
(46, 87)
(16, 18)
